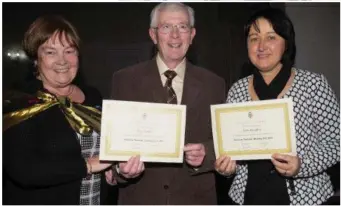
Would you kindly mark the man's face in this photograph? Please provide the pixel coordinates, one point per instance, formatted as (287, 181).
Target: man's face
(172, 36)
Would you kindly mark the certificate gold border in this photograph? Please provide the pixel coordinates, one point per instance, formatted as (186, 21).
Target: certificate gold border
(287, 130)
(109, 152)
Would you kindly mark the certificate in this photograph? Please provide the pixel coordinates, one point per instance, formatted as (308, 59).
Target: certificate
(253, 130)
(152, 130)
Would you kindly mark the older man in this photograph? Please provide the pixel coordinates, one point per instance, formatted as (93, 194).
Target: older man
(172, 31)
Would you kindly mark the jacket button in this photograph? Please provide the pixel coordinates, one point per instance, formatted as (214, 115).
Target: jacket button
(165, 187)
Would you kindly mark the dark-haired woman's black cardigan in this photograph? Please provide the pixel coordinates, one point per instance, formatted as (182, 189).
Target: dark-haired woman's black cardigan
(42, 161)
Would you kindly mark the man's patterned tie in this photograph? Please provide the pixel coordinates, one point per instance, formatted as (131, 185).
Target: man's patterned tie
(171, 96)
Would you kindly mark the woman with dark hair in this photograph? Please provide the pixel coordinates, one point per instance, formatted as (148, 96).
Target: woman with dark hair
(51, 135)
(285, 179)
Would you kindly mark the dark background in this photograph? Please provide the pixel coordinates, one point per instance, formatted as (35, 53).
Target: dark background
(115, 35)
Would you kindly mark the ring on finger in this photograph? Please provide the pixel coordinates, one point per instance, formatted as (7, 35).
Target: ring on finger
(224, 173)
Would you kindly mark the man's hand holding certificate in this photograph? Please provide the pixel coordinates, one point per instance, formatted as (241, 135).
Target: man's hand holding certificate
(253, 130)
(153, 131)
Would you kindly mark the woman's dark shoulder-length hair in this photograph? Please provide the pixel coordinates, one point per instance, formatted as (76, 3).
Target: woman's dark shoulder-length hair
(282, 25)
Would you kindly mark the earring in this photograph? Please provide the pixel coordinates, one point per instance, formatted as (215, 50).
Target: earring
(36, 72)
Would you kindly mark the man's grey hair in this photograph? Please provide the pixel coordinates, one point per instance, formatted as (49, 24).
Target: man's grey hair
(170, 6)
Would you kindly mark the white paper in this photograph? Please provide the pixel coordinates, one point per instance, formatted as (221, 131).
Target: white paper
(152, 130)
(253, 130)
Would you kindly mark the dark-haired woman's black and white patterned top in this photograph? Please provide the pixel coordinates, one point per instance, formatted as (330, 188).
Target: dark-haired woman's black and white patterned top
(90, 187)
(317, 121)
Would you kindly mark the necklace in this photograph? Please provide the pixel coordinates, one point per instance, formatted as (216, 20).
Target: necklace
(72, 88)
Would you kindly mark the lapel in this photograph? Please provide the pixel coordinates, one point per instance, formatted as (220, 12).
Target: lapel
(190, 96)
(151, 84)
(192, 86)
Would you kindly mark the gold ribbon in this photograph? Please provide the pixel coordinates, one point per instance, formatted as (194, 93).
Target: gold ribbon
(83, 119)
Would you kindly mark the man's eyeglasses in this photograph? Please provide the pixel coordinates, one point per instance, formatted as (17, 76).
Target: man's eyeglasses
(167, 28)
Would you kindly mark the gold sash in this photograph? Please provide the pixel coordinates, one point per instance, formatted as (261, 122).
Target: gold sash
(83, 119)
